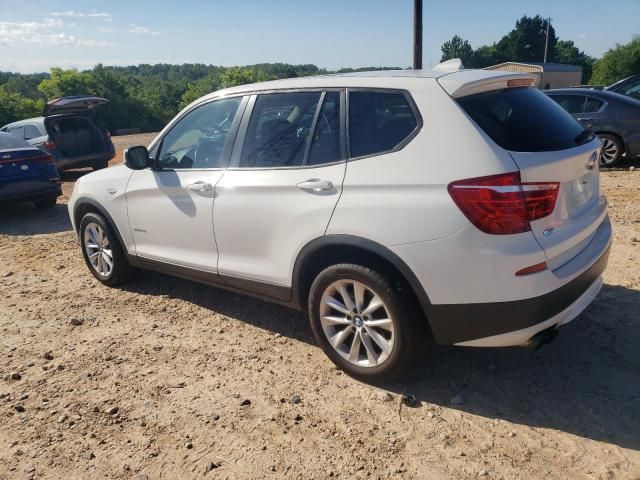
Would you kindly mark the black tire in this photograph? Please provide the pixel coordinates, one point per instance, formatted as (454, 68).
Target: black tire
(614, 150)
(408, 324)
(100, 164)
(121, 270)
(46, 203)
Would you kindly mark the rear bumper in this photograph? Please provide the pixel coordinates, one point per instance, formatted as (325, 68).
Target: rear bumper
(65, 163)
(29, 190)
(510, 323)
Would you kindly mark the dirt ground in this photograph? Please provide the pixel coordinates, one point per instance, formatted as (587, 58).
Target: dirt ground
(165, 378)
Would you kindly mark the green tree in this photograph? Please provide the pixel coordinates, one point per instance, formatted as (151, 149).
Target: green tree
(618, 63)
(199, 88)
(14, 106)
(485, 56)
(457, 48)
(240, 76)
(526, 42)
(566, 51)
(66, 82)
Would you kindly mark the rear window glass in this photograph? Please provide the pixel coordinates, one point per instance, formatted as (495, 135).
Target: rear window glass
(8, 140)
(31, 131)
(524, 120)
(378, 121)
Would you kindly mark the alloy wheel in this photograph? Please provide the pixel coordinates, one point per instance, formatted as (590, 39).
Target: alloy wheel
(609, 152)
(357, 323)
(98, 249)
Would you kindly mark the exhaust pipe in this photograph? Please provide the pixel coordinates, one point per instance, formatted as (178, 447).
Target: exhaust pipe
(542, 338)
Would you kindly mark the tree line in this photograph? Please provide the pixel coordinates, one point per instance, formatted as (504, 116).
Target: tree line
(148, 96)
(142, 96)
(527, 43)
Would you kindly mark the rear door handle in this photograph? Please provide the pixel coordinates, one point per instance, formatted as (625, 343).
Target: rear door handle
(315, 185)
(587, 119)
(200, 187)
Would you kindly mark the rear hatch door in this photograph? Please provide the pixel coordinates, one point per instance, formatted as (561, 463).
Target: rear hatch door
(73, 104)
(549, 147)
(579, 207)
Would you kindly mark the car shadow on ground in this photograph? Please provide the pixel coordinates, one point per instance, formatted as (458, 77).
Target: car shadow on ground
(585, 383)
(70, 176)
(25, 219)
(271, 317)
(625, 163)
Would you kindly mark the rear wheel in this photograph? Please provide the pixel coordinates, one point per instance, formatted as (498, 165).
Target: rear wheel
(46, 203)
(612, 149)
(102, 251)
(363, 325)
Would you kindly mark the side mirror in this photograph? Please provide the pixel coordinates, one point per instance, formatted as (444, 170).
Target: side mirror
(137, 158)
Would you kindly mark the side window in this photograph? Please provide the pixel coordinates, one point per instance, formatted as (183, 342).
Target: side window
(198, 139)
(279, 129)
(571, 103)
(326, 146)
(378, 121)
(31, 131)
(592, 105)
(17, 131)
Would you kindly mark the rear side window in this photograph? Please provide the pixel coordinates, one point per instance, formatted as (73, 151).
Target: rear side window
(279, 129)
(524, 120)
(17, 131)
(592, 105)
(8, 140)
(571, 103)
(379, 121)
(31, 131)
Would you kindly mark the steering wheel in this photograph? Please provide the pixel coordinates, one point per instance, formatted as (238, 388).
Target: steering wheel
(207, 155)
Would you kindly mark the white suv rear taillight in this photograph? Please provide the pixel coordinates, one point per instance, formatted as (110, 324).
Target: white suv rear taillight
(503, 204)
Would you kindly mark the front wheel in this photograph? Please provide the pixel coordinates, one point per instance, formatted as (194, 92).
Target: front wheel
(102, 251)
(362, 323)
(612, 149)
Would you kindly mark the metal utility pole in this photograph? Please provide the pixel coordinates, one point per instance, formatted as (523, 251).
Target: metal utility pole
(417, 34)
(546, 43)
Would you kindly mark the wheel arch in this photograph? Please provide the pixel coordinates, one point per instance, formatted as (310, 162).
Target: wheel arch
(613, 134)
(86, 205)
(333, 249)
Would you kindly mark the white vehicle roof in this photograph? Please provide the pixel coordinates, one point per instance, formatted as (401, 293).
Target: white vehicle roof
(453, 82)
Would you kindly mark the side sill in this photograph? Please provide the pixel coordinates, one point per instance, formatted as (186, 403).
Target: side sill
(265, 291)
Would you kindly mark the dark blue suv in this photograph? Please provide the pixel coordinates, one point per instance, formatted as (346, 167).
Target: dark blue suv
(68, 131)
(27, 173)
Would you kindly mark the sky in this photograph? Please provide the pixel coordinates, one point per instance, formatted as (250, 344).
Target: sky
(38, 34)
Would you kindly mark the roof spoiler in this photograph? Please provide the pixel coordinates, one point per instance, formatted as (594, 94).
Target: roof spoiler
(470, 82)
(452, 65)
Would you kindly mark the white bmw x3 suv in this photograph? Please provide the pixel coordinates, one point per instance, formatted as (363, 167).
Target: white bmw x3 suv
(392, 207)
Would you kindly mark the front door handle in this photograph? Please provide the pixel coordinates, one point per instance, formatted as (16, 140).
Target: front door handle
(586, 119)
(200, 187)
(315, 185)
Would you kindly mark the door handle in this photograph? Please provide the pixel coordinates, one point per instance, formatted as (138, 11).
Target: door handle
(200, 187)
(315, 185)
(588, 119)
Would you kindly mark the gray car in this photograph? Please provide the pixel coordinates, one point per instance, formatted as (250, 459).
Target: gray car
(613, 117)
